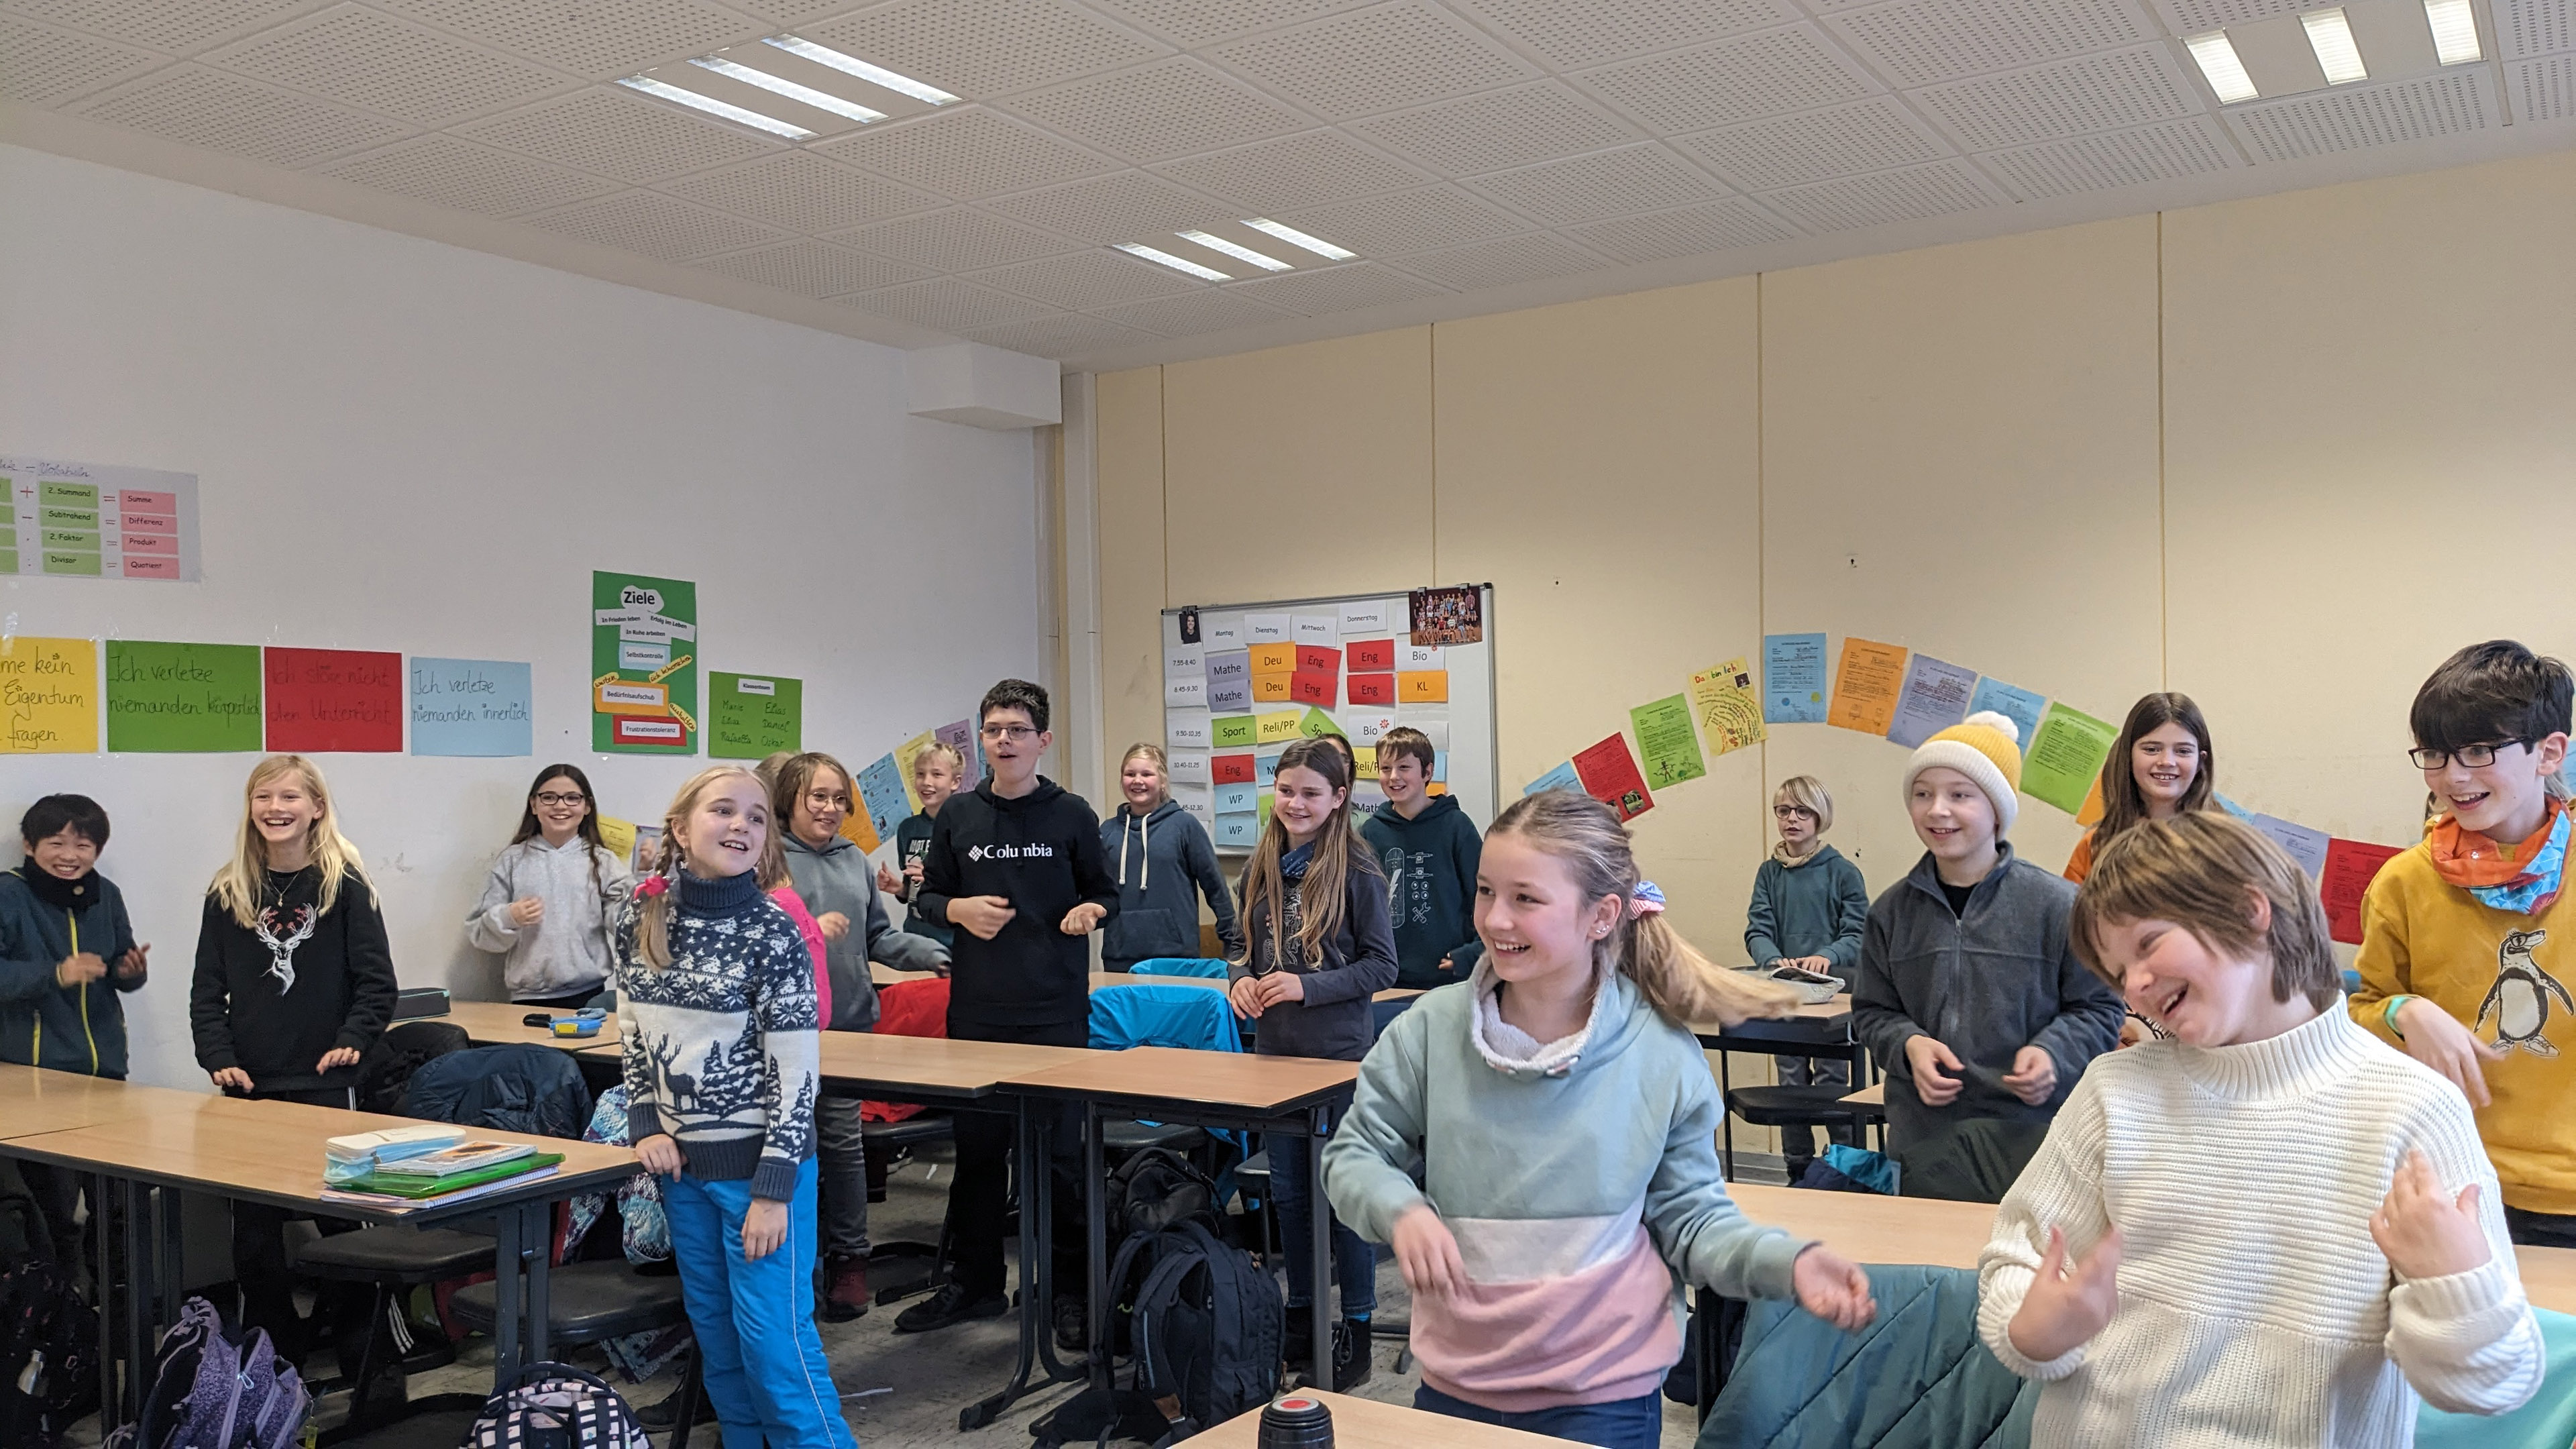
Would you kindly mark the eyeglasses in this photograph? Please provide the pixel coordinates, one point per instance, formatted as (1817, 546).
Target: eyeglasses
(2471, 756)
(558, 797)
(1013, 733)
(827, 800)
(1791, 812)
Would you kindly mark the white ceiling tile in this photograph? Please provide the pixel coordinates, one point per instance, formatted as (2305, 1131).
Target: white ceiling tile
(1159, 110)
(2544, 89)
(1500, 129)
(967, 154)
(1570, 33)
(45, 66)
(2349, 118)
(1877, 134)
(1122, 206)
(793, 13)
(1501, 263)
(980, 49)
(1405, 221)
(1195, 314)
(1642, 177)
(599, 39)
(1059, 337)
(1910, 194)
(2114, 91)
(2192, 17)
(956, 240)
(2527, 28)
(360, 58)
(1193, 23)
(802, 192)
(2160, 152)
(452, 171)
(813, 268)
(606, 131)
(1089, 279)
(200, 107)
(656, 225)
(947, 304)
(1917, 42)
(1688, 231)
(1306, 170)
(1794, 69)
(1402, 53)
(165, 25)
(1345, 288)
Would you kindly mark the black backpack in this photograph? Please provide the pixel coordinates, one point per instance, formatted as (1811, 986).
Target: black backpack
(48, 1354)
(1207, 1324)
(1155, 1189)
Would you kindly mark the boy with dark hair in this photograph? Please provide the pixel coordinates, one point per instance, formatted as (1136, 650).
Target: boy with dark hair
(1430, 850)
(1017, 867)
(2467, 937)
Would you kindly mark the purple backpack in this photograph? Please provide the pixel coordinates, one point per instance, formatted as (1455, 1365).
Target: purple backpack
(209, 1392)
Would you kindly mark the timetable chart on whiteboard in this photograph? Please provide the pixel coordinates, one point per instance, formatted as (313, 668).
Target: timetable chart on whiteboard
(98, 521)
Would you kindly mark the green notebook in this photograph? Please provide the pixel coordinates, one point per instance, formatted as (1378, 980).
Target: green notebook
(395, 1184)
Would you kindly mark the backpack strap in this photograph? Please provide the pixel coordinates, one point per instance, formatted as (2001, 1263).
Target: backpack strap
(1162, 1289)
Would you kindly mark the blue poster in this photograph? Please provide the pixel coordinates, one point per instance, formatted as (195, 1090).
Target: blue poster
(2020, 706)
(882, 794)
(1793, 678)
(1561, 777)
(471, 707)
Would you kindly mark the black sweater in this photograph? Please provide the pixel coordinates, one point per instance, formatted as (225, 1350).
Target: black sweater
(274, 1011)
(1040, 852)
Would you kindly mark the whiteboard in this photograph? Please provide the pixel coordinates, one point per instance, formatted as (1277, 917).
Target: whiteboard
(1462, 726)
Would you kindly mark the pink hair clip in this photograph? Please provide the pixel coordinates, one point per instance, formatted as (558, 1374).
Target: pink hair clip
(653, 886)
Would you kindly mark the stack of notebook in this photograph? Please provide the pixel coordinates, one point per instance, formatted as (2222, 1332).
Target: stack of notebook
(426, 1167)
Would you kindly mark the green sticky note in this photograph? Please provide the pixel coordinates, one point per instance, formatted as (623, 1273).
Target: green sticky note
(70, 495)
(9, 562)
(753, 716)
(167, 698)
(1318, 724)
(59, 561)
(1233, 732)
(86, 518)
(70, 540)
(2065, 757)
(1666, 745)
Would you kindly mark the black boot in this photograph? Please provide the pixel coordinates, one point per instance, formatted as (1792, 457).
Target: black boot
(1298, 1348)
(1351, 1359)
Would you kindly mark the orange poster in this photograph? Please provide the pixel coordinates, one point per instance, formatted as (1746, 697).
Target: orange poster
(1865, 686)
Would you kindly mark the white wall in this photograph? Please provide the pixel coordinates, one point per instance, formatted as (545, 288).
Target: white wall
(406, 446)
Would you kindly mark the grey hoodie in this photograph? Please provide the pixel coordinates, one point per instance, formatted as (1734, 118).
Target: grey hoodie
(840, 877)
(569, 948)
(1164, 861)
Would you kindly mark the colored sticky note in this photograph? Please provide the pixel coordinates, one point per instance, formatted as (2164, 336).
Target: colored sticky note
(1237, 799)
(2351, 865)
(1933, 698)
(165, 698)
(1364, 764)
(1793, 678)
(1609, 774)
(1277, 726)
(472, 707)
(1422, 686)
(1229, 680)
(1374, 654)
(2020, 706)
(49, 695)
(1237, 832)
(1230, 769)
(1267, 802)
(1366, 727)
(1421, 656)
(1315, 724)
(1865, 686)
(1372, 688)
(1729, 711)
(882, 795)
(754, 716)
(1273, 688)
(1318, 657)
(2308, 847)
(1665, 738)
(1273, 658)
(2065, 758)
(1315, 686)
(333, 699)
(1265, 766)
(1228, 731)
(1559, 776)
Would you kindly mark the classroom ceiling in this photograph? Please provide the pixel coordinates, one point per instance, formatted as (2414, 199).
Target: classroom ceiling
(1468, 155)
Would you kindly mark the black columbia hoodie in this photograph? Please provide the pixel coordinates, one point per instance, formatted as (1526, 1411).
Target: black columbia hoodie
(1040, 852)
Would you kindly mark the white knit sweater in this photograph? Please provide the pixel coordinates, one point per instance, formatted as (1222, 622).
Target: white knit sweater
(2254, 1307)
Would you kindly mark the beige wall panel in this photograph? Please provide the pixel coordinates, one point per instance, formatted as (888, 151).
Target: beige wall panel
(1128, 407)
(1279, 464)
(2371, 461)
(1598, 464)
(1960, 457)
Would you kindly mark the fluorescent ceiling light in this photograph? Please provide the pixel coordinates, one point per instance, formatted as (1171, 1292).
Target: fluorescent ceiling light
(875, 75)
(2220, 67)
(1178, 264)
(1216, 243)
(802, 95)
(714, 107)
(2330, 36)
(1295, 238)
(2455, 30)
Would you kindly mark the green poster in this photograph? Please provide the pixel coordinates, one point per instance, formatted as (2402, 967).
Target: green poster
(753, 716)
(167, 698)
(2065, 757)
(1665, 743)
(643, 665)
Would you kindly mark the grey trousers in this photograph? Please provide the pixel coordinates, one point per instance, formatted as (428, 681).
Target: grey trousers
(842, 1173)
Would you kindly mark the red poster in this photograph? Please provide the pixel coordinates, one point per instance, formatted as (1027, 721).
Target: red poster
(1609, 774)
(1317, 659)
(1372, 688)
(1372, 654)
(1231, 769)
(1314, 686)
(334, 699)
(2350, 867)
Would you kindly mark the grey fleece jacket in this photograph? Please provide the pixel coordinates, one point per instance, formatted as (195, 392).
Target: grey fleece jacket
(1985, 985)
(572, 946)
(840, 877)
(1164, 861)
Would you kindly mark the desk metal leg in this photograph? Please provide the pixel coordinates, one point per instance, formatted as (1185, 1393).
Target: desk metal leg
(1095, 1232)
(1319, 1230)
(1035, 1141)
(174, 1271)
(1725, 1122)
(536, 1227)
(138, 1294)
(505, 1300)
(108, 1400)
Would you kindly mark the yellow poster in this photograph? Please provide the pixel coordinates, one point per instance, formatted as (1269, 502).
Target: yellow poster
(49, 695)
(618, 835)
(904, 755)
(1728, 705)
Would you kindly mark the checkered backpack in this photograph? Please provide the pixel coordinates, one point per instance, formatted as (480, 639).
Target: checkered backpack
(556, 1406)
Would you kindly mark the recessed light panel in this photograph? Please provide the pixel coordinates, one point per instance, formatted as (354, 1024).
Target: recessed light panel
(776, 86)
(1295, 238)
(1163, 258)
(2220, 67)
(851, 65)
(713, 107)
(1240, 253)
(2330, 36)
(2455, 30)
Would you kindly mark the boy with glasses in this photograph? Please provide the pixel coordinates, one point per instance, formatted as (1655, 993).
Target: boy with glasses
(2467, 940)
(1016, 866)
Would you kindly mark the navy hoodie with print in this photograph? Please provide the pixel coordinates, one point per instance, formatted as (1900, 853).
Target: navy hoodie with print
(1430, 862)
(1041, 853)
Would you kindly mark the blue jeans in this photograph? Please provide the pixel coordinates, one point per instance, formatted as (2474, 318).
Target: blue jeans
(1354, 1261)
(1636, 1423)
(757, 1347)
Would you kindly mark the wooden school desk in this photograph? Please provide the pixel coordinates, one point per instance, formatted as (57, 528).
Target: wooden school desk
(1368, 1424)
(499, 1023)
(1239, 1091)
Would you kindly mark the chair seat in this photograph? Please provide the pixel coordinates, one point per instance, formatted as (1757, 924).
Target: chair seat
(1793, 1106)
(397, 1253)
(1253, 1175)
(586, 1302)
(919, 1128)
(1137, 1136)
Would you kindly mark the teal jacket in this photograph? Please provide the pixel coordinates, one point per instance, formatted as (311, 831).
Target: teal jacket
(1817, 907)
(79, 1029)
